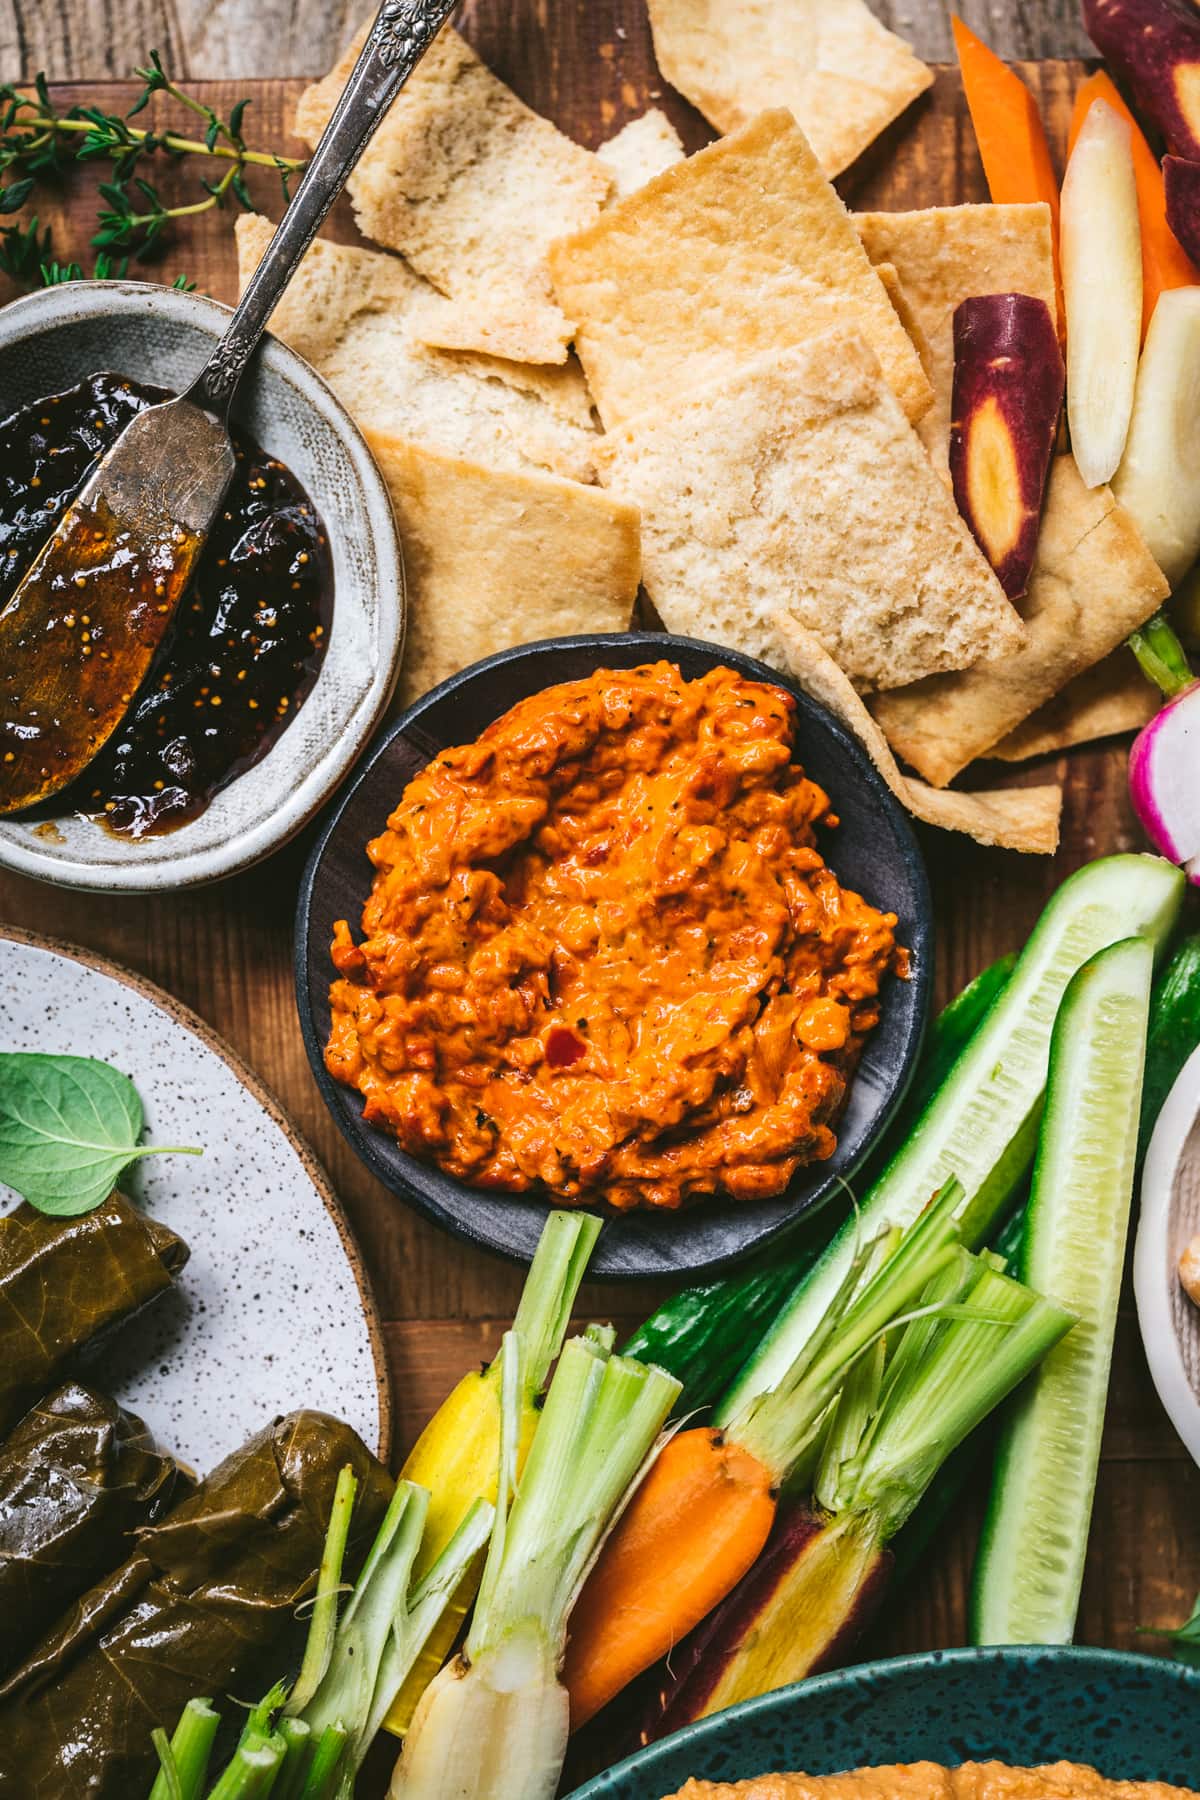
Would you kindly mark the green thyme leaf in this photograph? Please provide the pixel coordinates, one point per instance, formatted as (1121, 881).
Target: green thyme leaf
(69, 1128)
(13, 198)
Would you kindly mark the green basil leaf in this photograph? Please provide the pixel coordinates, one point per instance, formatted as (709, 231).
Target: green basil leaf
(69, 1128)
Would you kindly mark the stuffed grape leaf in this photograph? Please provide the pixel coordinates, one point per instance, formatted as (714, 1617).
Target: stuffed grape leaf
(205, 1605)
(63, 1281)
(78, 1476)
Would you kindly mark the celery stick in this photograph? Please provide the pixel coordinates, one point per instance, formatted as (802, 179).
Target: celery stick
(318, 1646)
(325, 1766)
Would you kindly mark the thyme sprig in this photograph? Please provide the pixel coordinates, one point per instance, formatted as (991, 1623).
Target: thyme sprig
(25, 258)
(40, 142)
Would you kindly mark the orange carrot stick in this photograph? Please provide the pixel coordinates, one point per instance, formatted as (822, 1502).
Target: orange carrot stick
(1010, 134)
(692, 1530)
(1165, 264)
(1008, 126)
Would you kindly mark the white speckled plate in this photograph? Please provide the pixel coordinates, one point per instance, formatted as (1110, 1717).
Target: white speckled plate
(273, 1310)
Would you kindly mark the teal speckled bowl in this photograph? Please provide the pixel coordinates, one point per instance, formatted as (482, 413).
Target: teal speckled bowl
(1132, 1717)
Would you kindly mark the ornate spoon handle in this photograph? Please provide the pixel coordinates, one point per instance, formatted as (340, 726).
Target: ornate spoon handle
(399, 38)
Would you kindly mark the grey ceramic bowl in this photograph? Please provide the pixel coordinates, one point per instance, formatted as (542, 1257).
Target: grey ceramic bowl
(873, 850)
(51, 341)
(1131, 1717)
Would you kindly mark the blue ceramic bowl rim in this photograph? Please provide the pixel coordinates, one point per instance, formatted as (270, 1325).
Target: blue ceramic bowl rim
(818, 1688)
(656, 645)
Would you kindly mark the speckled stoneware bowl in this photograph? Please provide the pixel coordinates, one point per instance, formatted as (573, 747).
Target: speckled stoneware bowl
(1169, 1219)
(52, 340)
(873, 850)
(273, 1310)
(1131, 1717)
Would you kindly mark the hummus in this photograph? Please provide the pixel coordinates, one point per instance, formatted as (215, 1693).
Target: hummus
(926, 1781)
(603, 953)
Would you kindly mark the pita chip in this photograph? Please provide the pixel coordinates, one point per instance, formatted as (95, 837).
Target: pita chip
(947, 254)
(1093, 583)
(831, 62)
(1112, 698)
(796, 482)
(907, 317)
(495, 558)
(472, 187)
(641, 150)
(1009, 818)
(742, 249)
(348, 312)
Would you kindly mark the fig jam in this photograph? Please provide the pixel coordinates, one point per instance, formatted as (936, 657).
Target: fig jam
(249, 637)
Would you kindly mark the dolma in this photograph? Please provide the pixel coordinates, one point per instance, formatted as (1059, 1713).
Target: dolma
(205, 1605)
(64, 1281)
(78, 1476)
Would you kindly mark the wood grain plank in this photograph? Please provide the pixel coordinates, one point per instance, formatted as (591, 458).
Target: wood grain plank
(88, 40)
(1014, 28)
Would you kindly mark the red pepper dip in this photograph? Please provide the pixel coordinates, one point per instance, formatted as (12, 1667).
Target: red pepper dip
(604, 955)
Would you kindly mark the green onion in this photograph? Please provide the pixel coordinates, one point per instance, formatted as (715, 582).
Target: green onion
(961, 1365)
(318, 1645)
(351, 1669)
(494, 1722)
(250, 1772)
(782, 1426)
(1161, 657)
(543, 1313)
(297, 1759)
(169, 1771)
(326, 1766)
(185, 1764)
(384, 1626)
(849, 1421)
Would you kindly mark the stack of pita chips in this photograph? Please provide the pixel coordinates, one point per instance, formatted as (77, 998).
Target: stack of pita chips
(772, 379)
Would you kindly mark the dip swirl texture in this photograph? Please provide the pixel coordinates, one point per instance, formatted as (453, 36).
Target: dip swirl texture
(603, 953)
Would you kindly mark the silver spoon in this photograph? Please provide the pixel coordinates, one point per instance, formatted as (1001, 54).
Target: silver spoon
(80, 631)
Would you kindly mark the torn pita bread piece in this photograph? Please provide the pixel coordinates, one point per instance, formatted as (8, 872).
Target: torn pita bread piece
(472, 187)
(1112, 698)
(843, 74)
(494, 558)
(1008, 818)
(641, 150)
(1093, 583)
(948, 254)
(797, 482)
(742, 249)
(348, 313)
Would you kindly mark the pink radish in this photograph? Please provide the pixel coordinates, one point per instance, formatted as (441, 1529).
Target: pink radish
(1164, 764)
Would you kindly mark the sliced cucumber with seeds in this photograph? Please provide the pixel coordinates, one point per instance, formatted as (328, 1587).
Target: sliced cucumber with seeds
(1030, 1564)
(981, 1124)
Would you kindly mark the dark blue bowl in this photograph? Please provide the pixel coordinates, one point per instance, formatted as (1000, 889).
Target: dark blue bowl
(873, 851)
(1133, 1718)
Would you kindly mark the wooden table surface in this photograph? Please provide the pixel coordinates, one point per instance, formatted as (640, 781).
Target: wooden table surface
(89, 40)
(226, 951)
